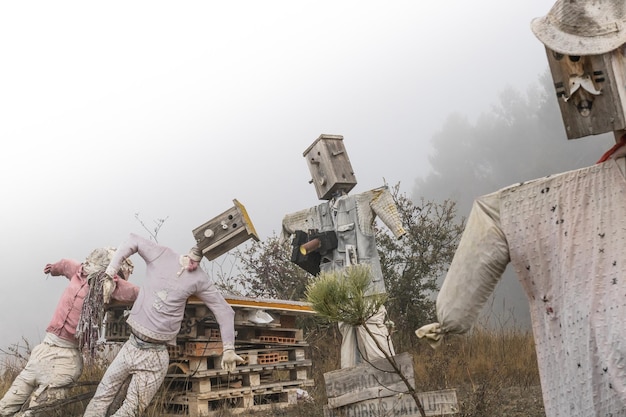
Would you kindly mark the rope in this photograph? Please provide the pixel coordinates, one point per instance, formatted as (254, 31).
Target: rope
(621, 142)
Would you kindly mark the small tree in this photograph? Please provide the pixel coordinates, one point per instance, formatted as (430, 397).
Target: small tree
(340, 296)
(266, 271)
(154, 233)
(413, 265)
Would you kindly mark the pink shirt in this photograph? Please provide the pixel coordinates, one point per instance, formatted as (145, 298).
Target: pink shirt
(66, 315)
(160, 305)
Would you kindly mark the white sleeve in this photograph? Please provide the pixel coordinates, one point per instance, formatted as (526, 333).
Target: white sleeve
(477, 266)
(223, 312)
(147, 249)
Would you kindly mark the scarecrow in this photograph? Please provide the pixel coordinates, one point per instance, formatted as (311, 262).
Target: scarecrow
(564, 234)
(171, 278)
(340, 232)
(57, 362)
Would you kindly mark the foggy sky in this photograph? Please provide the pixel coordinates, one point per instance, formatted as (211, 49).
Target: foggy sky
(173, 109)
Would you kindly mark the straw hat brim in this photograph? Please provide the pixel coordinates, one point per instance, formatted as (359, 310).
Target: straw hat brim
(569, 44)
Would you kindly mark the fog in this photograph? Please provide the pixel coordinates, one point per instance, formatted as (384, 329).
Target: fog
(170, 110)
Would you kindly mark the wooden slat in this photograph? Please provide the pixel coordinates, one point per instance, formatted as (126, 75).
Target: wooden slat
(353, 384)
(436, 403)
(244, 369)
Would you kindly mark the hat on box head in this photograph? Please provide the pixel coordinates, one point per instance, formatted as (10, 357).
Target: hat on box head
(582, 27)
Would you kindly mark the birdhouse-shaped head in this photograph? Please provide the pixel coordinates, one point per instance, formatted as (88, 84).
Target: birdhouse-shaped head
(224, 232)
(584, 43)
(329, 166)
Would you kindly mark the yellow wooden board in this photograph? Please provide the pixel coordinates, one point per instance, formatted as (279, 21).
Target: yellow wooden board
(263, 303)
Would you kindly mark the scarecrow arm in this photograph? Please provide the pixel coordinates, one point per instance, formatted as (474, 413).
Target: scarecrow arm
(124, 290)
(477, 266)
(65, 267)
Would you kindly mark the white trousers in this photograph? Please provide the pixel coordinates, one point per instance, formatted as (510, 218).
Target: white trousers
(357, 344)
(147, 365)
(48, 372)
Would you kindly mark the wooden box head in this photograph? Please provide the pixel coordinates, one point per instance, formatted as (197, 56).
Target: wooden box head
(329, 166)
(591, 91)
(224, 232)
(585, 41)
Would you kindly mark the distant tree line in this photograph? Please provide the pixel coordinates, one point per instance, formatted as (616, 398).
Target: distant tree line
(521, 138)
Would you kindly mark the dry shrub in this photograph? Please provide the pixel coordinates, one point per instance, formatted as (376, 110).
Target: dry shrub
(483, 366)
(487, 368)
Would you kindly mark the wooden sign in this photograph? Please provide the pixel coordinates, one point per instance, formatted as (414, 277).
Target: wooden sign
(374, 390)
(435, 403)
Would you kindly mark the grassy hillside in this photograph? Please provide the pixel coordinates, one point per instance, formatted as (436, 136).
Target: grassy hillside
(494, 373)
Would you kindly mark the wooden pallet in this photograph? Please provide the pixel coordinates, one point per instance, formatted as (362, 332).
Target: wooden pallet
(199, 369)
(204, 328)
(236, 401)
(275, 364)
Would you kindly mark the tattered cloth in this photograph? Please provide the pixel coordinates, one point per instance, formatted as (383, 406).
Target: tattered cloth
(566, 237)
(92, 315)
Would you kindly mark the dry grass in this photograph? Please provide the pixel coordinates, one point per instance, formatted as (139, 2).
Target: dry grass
(490, 370)
(494, 373)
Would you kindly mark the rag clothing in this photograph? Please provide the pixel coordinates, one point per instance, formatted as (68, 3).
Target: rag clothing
(352, 218)
(195, 254)
(65, 317)
(56, 362)
(357, 345)
(160, 305)
(147, 362)
(565, 235)
(155, 320)
(50, 368)
(67, 313)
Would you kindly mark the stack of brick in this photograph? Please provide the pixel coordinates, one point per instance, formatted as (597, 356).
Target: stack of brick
(276, 366)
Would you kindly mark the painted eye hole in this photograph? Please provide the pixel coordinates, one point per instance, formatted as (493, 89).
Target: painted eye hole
(558, 56)
(574, 58)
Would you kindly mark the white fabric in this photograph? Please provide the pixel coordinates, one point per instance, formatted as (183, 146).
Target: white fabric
(108, 286)
(431, 332)
(49, 370)
(566, 237)
(230, 360)
(195, 254)
(356, 343)
(53, 339)
(478, 264)
(184, 262)
(99, 259)
(110, 271)
(379, 202)
(146, 364)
